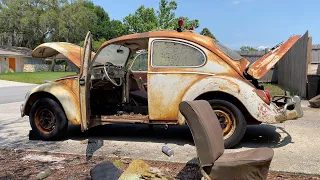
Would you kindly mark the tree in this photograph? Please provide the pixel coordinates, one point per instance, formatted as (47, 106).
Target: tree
(75, 21)
(28, 23)
(143, 20)
(247, 48)
(206, 32)
(165, 14)
(146, 19)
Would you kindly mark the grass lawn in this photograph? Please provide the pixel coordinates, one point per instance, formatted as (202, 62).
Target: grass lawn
(273, 89)
(33, 77)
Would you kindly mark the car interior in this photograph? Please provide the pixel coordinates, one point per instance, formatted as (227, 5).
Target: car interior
(119, 81)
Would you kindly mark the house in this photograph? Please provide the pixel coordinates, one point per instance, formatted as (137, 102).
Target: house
(19, 59)
(13, 58)
(314, 66)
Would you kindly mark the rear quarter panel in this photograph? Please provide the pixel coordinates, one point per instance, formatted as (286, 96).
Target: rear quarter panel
(167, 87)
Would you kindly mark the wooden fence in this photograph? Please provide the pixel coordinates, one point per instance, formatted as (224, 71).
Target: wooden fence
(292, 67)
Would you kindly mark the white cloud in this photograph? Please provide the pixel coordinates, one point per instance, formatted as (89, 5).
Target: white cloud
(263, 47)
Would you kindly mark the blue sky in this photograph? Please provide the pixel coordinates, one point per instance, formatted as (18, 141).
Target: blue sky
(238, 22)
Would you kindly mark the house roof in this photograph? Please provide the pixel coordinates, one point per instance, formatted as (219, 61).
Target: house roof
(316, 46)
(15, 51)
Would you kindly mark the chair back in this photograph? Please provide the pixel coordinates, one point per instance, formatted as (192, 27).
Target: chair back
(205, 128)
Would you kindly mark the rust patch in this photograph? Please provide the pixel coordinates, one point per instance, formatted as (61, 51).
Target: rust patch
(230, 83)
(266, 62)
(125, 118)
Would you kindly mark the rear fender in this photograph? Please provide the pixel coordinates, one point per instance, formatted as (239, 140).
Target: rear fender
(237, 88)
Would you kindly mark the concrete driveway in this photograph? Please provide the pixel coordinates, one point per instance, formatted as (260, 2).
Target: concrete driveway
(296, 143)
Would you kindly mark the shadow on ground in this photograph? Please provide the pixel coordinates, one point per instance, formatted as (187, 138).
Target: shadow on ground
(179, 135)
(265, 135)
(256, 135)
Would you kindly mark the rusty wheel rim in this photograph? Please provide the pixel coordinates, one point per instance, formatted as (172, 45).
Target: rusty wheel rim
(227, 121)
(45, 120)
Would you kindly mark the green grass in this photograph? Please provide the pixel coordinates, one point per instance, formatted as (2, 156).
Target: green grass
(33, 77)
(273, 89)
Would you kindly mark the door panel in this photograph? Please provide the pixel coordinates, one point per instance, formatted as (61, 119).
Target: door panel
(12, 64)
(171, 72)
(139, 70)
(84, 82)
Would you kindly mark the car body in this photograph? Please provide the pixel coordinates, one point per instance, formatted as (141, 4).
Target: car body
(176, 66)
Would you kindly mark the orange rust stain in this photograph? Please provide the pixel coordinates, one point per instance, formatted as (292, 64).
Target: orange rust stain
(230, 82)
(266, 62)
(292, 114)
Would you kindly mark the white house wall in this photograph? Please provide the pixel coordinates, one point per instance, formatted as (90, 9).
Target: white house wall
(4, 64)
(19, 64)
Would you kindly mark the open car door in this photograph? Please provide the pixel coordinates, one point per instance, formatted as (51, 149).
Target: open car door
(84, 82)
(260, 67)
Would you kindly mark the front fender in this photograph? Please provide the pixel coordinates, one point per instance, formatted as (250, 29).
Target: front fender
(236, 88)
(63, 94)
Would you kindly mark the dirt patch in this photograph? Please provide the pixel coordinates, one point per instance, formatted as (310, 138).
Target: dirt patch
(15, 165)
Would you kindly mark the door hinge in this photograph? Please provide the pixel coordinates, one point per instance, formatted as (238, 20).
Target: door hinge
(82, 81)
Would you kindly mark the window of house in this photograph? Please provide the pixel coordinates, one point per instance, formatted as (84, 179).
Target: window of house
(172, 54)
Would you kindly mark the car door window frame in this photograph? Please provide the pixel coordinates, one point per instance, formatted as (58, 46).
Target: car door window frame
(180, 42)
(135, 59)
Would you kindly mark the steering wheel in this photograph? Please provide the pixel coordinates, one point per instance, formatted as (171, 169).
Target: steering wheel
(106, 68)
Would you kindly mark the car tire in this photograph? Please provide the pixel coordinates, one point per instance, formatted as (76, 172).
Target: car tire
(232, 121)
(48, 120)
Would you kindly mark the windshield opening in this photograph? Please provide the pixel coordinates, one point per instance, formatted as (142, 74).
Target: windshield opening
(115, 54)
(230, 53)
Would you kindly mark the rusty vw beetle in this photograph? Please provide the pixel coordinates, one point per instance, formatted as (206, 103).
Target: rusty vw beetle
(175, 66)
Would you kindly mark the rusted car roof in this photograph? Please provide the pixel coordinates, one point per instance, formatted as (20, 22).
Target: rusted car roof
(204, 41)
(71, 51)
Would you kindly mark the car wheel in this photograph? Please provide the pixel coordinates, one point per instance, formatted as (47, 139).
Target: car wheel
(47, 119)
(232, 121)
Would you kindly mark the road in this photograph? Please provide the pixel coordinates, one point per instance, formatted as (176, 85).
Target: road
(296, 143)
(13, 91)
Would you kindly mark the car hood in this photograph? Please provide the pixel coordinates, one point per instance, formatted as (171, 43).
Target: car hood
(71, 51)
(260, 67)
